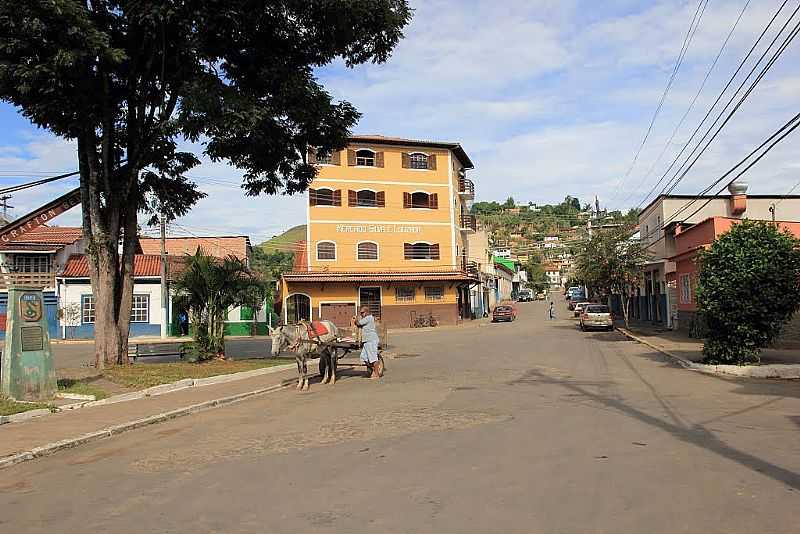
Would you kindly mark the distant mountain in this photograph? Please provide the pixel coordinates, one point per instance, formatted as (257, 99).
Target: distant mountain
(286, 240)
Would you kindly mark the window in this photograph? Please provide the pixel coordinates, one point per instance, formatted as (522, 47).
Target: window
(87, 309)
(324, 160)
(365, 158)
(326, 250)
(29, 263)
(434, 293)
(418, 161)
(421, 251)
(140, 309)
(405, 294)
(366, 198)
(686, 289)
(421, 199)
(367, 251)
(323, 197)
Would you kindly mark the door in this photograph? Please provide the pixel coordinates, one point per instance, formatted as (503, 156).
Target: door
(298, 308)
(339, 314)
(371, 297)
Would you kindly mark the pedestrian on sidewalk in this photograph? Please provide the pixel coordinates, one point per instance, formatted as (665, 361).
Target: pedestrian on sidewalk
(369, 336)
(183, 323)
(552, 310)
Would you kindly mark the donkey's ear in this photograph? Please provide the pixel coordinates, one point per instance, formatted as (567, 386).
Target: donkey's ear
(270, 330)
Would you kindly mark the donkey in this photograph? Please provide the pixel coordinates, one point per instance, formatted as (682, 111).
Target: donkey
(304, 343)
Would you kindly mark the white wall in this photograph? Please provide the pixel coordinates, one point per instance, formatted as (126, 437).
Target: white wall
(71, 293)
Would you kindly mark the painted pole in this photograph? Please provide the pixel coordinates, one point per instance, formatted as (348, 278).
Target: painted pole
(164, 288)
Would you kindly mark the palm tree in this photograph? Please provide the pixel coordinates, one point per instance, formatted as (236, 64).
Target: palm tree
(209, 287)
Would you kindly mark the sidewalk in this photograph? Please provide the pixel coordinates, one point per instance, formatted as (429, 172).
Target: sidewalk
(687, 352)
(72, 427)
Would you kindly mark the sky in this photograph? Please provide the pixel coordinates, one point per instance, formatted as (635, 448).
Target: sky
(549, 98)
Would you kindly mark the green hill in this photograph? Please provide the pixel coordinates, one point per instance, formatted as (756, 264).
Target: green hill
(286, 240)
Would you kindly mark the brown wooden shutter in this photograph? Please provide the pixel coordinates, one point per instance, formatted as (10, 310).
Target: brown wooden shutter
(312, 197)
(406, 160)
(336, 157)
(435, 251)
(312, 155)
(352, 197)
(380, 198)
(351, 158)
(379, 159)
(433, 201)
(408, 251)
(406, 200)
(432, 162)
(337, 197)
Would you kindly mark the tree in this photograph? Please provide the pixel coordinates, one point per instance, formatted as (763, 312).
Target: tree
(611, 264)
(747, 289)
(509, 203)
(208, 287)
(271, 264)
(537, 277)
(128, 80)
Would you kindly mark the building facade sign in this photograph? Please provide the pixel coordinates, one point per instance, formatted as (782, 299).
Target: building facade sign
(377, 229)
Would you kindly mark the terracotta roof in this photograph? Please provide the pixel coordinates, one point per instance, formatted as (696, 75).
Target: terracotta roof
(383, 276)
(399, 141)
(144, 265)
(29, 247)
(217, 246)
(54, 235)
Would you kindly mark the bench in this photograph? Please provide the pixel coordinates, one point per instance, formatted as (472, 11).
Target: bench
(147, 350)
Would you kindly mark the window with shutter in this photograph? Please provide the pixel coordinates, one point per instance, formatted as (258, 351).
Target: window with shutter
(379, 159)
(365, 158)
(312, 197)
(322, 159)
(323, 197)
(406, 161)
(434, 201)
(406, 200)
(336, 157)
(367, 251)
(366, 198)
(337, 197)
(326, 250)
(380, 198)
(434, 254)
(418, 160)
(408, 250)
(420, 199)
(352, 197)
(421, 251)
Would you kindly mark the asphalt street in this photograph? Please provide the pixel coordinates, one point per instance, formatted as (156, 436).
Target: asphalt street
(531, 426)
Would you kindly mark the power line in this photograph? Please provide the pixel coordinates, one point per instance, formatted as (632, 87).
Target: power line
(681, 55)
(691, 105)
(719, 97)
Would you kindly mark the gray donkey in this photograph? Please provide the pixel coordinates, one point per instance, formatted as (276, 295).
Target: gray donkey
(303, 339)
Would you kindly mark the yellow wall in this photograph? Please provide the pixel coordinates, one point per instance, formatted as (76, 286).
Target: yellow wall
(390, 226)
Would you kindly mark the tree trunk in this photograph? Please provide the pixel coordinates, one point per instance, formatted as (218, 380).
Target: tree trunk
(625, 307)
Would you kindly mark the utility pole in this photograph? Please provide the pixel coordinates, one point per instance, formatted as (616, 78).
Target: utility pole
(772, 211)
(4, 199)
(164, 287)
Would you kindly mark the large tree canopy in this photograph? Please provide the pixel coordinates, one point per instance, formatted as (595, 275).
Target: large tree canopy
(130, 79)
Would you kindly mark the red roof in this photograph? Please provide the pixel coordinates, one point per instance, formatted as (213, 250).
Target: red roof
(144, 265)
(46, 235)
(220, 247)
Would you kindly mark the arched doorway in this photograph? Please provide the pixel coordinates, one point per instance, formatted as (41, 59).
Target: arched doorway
(298, 308)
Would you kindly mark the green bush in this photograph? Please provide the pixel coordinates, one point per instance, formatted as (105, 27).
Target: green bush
(748, 288)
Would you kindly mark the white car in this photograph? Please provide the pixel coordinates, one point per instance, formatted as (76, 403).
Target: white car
(579, 308)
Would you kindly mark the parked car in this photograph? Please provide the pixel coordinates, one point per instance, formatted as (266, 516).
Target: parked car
(578, 309)
(597, 316)
(541, 295)
(525, 295)
(504, 312)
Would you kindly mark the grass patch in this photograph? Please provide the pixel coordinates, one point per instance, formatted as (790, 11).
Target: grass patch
(69, 385)
(145, 375)
(10, 407)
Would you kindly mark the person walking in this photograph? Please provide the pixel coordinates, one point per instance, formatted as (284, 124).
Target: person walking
(552, 310)
(183, 323)
(369, 336)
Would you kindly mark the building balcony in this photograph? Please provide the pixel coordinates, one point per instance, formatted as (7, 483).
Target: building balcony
(27, 280)
(470, 268)
(466, 189)
(468, 224)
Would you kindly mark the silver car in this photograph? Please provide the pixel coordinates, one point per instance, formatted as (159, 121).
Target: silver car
(596, 316)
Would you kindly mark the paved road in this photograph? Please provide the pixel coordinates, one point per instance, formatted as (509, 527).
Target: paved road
(525, 427)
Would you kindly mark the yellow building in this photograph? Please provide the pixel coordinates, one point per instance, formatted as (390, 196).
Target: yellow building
(387, 225)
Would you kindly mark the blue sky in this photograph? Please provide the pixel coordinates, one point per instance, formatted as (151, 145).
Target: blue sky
(549, 98)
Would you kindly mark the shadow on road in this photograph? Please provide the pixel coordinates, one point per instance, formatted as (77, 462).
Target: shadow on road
(696, 434)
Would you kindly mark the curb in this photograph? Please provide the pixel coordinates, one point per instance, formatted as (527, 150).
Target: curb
(51, 448)
(153, 391)
(782, 371)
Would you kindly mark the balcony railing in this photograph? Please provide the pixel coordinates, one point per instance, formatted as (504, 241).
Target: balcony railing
(470, 267)
(466, 188)
(32, 280)
(468, 223)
